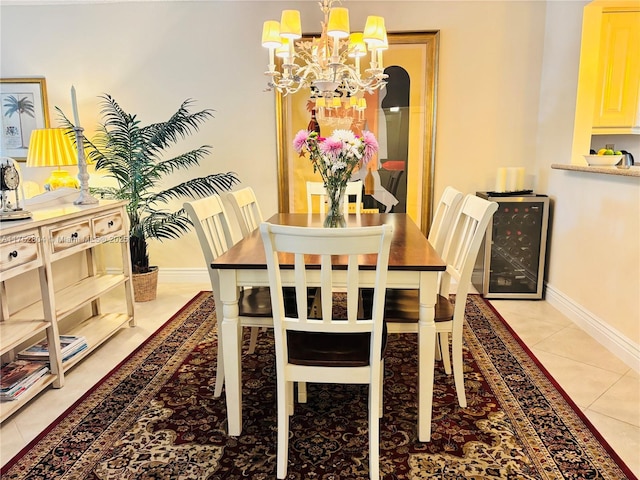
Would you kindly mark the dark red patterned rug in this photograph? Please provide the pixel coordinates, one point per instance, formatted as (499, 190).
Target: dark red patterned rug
(154, 417)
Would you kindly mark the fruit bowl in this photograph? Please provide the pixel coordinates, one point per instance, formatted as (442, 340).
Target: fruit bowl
(602, 160)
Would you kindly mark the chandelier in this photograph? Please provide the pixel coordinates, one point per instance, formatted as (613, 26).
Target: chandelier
(330, 65)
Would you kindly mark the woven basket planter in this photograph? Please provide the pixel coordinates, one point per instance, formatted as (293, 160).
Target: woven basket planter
(145, 285)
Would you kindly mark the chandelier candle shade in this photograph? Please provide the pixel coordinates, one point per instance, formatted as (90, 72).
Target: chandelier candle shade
(335, 158)
(329, 65)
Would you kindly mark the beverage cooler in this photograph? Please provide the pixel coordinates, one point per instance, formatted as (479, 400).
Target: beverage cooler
(511, 261)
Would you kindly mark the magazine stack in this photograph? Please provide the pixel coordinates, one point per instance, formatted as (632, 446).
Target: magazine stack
(16, 377)
(70, 345)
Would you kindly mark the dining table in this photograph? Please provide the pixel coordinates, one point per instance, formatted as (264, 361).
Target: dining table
(413, 264)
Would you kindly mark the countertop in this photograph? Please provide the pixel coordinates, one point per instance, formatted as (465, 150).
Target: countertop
(633, 171)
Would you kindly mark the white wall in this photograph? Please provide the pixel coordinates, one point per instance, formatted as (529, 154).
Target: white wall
(506, 97)
(594, 268)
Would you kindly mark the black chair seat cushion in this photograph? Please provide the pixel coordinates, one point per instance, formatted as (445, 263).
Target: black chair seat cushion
(401, 306)
(331, 349)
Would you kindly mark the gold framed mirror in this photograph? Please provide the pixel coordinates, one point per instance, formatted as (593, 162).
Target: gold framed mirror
(401, 116)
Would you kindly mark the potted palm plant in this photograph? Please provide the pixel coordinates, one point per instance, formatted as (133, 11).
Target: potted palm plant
(135, 157)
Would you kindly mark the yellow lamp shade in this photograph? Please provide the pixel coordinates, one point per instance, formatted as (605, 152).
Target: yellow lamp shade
(290, 26)
(271, 34)
(357, 47)
(321, 102)
(51, 147)
(374, 31)
(283, 50)
(338, 26)
(385, 43)
(336, 102)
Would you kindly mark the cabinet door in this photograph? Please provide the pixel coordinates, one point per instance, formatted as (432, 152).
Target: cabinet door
(618, 82)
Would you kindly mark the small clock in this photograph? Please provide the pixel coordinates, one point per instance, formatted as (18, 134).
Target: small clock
(9, 178)
(9, 184)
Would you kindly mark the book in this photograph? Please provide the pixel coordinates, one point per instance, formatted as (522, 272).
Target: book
(17, 376)
(69, 345)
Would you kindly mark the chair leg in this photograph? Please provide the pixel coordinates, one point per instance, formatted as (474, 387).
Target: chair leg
(283, 428)
(458, 371)
(443, 341)
(253, 341)
(302, 392)
(290, 404)
(374, 433)
(438, 356)
(217, 390)
(381, 408)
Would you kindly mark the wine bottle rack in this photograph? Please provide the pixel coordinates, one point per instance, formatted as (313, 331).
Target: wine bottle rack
(511, 262)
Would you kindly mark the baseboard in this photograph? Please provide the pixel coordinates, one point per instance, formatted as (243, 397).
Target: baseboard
(609, 337)
(177, 275)
(183, 275)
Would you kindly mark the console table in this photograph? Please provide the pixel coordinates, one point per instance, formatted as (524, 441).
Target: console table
(36, 244)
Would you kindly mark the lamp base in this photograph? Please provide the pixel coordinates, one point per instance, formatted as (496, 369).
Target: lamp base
(85, 198)
(59, 179)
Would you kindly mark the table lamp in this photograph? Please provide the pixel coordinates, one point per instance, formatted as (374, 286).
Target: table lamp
(52, 147)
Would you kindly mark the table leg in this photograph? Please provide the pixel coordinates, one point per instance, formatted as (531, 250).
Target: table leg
(231, 350)
(426, 352)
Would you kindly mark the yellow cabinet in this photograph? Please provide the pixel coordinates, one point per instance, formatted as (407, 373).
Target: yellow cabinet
(617, 106)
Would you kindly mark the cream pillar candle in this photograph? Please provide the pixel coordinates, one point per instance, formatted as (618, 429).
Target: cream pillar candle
(501, 180)
(74, 106)
(520, 174)
(512, 179)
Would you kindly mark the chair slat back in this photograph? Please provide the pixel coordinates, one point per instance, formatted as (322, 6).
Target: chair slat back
(463, 244)
(211, 224)
(246, 208)
(313, 245)
(316, 189)
(446, 211)
(353, 188)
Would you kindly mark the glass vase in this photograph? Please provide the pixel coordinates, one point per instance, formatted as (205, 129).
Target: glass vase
(335, 215)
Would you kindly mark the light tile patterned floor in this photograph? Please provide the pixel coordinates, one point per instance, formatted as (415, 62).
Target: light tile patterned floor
(605, 388)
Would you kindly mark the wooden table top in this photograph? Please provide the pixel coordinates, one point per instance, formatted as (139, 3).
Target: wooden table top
(410, 249)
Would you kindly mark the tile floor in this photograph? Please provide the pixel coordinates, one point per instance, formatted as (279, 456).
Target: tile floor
(605, 388)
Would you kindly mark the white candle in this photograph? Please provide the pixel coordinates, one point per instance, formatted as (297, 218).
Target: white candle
(74, 105)
(501, 180)
(512, 180)
(520, 178)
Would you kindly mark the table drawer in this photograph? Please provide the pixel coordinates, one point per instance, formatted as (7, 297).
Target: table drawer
(70, 235)
(108, 225)
(18, 250)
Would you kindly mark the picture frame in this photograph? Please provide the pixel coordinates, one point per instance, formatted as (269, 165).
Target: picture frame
(25, 108)
(412, 56)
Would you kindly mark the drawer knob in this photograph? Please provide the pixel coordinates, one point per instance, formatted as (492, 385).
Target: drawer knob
(74, 235)
(110, 223)
(13, 254)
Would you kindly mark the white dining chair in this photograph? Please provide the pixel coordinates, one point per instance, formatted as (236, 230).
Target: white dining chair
(246, 208)
(328, 349)
(317, 190)
(459, 252)
(211, 223)
(446, 210)
(248, 215)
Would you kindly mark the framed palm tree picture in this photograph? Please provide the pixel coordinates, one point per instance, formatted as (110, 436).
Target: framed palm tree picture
(23, 102)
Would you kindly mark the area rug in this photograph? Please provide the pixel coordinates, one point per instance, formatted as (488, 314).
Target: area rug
(155, 417)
